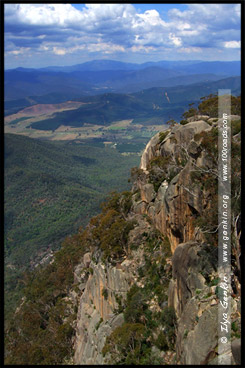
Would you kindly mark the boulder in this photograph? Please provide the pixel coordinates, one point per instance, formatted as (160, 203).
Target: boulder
(200, 343)
(236, 350)
(140, 207)
(198, 117)
(189, 261)
(162, 190)
(149, 152)
(87, 259)
(147, 193)
(185, 133)
(194, 149)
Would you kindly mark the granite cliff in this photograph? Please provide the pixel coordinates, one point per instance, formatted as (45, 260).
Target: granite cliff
(139, 285)
(173, 205)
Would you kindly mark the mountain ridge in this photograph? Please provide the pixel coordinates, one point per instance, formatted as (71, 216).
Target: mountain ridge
(110, 107)
(103, 64)
(23, 82)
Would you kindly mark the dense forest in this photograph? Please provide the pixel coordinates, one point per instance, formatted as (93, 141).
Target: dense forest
(51, 189)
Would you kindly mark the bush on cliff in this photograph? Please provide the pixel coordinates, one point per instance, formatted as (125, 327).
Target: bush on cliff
(209, 106)
(42, 329)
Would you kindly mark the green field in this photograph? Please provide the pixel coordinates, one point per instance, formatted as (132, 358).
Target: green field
(16, 121)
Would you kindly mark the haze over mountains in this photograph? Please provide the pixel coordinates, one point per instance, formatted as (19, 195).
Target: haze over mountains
(98, 76)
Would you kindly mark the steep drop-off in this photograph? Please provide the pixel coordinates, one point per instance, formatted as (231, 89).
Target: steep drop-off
(140, 284)
(175, 192)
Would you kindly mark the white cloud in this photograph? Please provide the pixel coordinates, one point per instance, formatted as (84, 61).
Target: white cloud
(19, 51)
(61, 29)
(232, 44)
(91, 47)
(58, 51)
(188, 50)
(42, 14)
(150, 17)
(176, 40)
(144, 49)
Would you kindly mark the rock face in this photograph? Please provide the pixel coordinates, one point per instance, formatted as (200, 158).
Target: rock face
(195, 302)
(202, 340)
(96, 318)
(236, 350)
(179, 195)
(97, 313)
(149, 152)
(171, 200)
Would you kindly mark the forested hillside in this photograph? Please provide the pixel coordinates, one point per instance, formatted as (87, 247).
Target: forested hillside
(51, 189)
(159, 103)
(139, 284)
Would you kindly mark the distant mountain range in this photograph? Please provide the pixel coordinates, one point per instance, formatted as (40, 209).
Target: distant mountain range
(182, 65)
(162, 103)
(98, 76)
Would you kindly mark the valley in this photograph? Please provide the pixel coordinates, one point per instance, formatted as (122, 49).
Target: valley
(67, 149)
(123, 119)
(51, 189)
(118, 132)
(122, 184)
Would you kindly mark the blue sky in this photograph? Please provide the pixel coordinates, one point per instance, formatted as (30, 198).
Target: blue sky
(38, 35)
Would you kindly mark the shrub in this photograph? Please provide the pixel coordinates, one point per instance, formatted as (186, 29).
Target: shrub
(136, 173)
(120, 307)
(166, 246)
(158, 170)
(161, 342)
(234, 327)
(98, 324)
(171, 122)
(219, 292)
(169, 320)
(126, 202)
(135, 305)
(105, 293)
(159, 161)
(191, 112)
(111, 231)
(209, 106)
(214, 282)
(41, 332)
(186, 334)
(125, 344)
(163, 135)
(112, 202)
(183, 122)
(236, 126)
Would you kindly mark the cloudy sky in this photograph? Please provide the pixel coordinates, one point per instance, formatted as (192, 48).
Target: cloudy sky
(38, 35)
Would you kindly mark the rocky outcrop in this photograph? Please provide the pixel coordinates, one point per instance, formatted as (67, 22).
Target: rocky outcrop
(96, 316)
(149, 152)
(173, 208)
(177, 195)
(166, 197)
(195, 302)
(236, 350)
(202, 340)
(101, 292)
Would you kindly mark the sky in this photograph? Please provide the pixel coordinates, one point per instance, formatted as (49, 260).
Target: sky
(39, 35)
